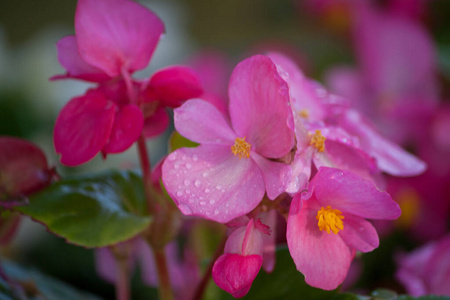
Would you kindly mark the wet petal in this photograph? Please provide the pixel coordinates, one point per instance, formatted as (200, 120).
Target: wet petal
(209, 181)
(83, 127)
(359, 234)
(259, 107)
(201, 122)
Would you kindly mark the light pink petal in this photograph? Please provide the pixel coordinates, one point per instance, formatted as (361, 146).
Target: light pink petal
(246, 240)
(276, 175)
(126, 130)
(156, 123)
(83, 127)
(201, 122)
(437, 271)
(235, 273)
(76, 67)
(209, 181)
(359, 234)
(269, 240)
(350, 193)
(173, 85)
(324, 258)
(390, 157)
(116, 34)
(259, 107)
(301, 171)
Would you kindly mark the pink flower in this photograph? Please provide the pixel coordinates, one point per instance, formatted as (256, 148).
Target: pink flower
(112, 37)
(327, 225)
(235, 270)
(426, 270)
(227, 175)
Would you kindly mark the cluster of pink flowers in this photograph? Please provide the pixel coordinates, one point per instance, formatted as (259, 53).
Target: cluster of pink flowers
(282, 147)
(284, 141)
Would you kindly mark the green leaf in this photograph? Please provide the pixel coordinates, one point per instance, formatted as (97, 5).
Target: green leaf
(31, 284)
(92, 211)
(285, 282)
(177, 141)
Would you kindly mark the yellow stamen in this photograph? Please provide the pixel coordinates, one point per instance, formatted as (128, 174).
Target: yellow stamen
(241, 148)
(318, 140)
(304, 113)
(330, 219)
(409, 202)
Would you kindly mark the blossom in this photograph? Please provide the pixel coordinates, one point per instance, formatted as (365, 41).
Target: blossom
(326, 224)
(426, 270)
(227, 175)
(235, 270)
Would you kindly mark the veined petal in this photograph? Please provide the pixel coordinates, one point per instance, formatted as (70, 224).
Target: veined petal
(116, 34)
(76, 67)
(201, 122)
(259, 107)
(235, 273)
(126, 130)
(172, 85)
(83, 127)
(324, 258)
(156, 123)
(276, 175)
(359, 234)
(352, 194)
(209, 181)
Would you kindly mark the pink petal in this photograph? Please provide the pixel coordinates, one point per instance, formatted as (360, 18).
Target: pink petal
(269, 240)
(276, 175)
(390, 157)
(437, 271)
(324, 258)
(259, 107)
(359, 234)
(127, 128)
(352, 194)
(173, 85)
(105, 264)
(201, 122)
(301, 171)
(235, 273)
(76, 67)
(83, 127)
(156, 123)
(246, 240)
(116, 34)
(209, 181)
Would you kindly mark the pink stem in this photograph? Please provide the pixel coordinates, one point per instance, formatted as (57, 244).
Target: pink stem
(122, 279)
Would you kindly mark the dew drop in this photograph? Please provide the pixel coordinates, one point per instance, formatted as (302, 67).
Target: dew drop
(219, 187)
(176, 166)
(201, 198)
(183, 157)
(216, 212)
(205, 174)
(188, 192)
(188, 165)
(194, 157)
(185, 209)
(179, 193)
(207, 191)
(187, 182)
(172, 157)
(212, 202)
(202, 203)
(197, 183)
(191, 200)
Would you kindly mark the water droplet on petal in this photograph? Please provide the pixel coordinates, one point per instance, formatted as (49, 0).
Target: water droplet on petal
(176, 166)
(188, 192)
(187, 182)
(216, 212)
(194, 157)
(205, 174)
(188, 165)
(197, 183)
(212, 202)
(172, 157)
(179, 193)
(202, 203)
(185, 209)
(218, 187)
(207, 191)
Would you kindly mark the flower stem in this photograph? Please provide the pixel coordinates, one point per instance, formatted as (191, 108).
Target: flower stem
(165, 290)
(146, 173)
(207, 275)
(121, 255)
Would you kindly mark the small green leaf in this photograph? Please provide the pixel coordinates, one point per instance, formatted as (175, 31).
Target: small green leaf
(92, 211)
(178, 141)
(384, 294)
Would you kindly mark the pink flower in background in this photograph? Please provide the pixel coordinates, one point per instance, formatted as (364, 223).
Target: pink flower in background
(426, 270)
(227, 175)
(327, 225)
(235, 270)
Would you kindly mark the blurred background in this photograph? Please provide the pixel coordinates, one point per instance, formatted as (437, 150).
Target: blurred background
(323, 37)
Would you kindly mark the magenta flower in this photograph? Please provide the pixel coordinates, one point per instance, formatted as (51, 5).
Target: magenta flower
(236, 269)
(327, 225)
(426, 270)
(227, 175)
(112, 37)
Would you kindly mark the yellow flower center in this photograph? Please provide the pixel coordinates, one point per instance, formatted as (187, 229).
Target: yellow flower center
(241, 148)
(304, 113)
(409, 202)
(318, 140)
(330, 219)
